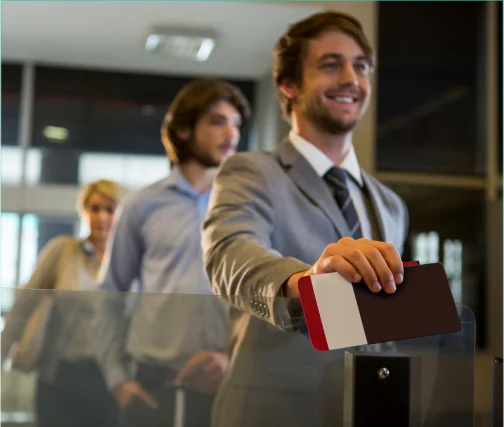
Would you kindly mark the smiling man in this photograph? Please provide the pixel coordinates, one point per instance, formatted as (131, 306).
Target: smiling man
(179, 336)
(305, 209)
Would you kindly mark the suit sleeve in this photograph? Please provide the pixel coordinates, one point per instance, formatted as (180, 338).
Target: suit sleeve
(238, 251)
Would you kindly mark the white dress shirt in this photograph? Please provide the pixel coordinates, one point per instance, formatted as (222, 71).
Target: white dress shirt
(369, 226)
(321, 164)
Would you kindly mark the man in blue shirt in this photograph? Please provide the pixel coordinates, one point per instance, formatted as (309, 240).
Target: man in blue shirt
(177, 331)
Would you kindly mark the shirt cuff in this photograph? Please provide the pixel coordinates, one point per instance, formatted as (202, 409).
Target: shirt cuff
(116, 377)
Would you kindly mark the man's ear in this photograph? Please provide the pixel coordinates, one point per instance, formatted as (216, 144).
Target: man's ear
(184, 134)
(289, 90)
(170, 150)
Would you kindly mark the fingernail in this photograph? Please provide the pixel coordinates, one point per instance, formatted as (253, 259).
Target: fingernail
(391, 287)
(398, 278)
(375, 287)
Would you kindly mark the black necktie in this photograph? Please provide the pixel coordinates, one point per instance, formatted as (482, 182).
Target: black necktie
(336, 179)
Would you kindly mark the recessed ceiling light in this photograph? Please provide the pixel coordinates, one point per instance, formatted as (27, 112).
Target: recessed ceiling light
(183, 43)
(55, 133)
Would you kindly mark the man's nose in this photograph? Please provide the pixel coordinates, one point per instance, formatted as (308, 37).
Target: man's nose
(232, 134)
(348, 76)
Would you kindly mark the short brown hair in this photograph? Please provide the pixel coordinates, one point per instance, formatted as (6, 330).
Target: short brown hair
(290, 49)
(107, 188)
(190, 104)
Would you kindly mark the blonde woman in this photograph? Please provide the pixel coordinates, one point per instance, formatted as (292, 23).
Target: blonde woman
(70, 388)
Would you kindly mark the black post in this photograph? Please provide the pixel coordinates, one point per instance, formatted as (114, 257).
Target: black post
(381, 390)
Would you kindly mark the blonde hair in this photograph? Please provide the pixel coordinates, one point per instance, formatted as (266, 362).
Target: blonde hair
(105, 187)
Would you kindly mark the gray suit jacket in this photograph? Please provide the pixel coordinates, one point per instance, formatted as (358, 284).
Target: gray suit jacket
(271, 216)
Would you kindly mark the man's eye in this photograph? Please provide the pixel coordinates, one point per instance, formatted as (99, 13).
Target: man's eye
(362, 67)
(330, 65)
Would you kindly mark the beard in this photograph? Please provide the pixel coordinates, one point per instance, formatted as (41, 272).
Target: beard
(327, 124)
(201, 156)
(320, 115)
(205, 159)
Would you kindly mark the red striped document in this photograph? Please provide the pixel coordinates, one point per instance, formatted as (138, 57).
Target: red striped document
(340, 314)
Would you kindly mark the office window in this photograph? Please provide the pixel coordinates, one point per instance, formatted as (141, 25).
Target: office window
(131, 171)
(10, 232)
(80, 111)
(431, 85)
(11, 165)
(452, 261)
(9, 236)
(426, 248)
(33, 166)
(11, 104)
(29, 249)
(448, 225)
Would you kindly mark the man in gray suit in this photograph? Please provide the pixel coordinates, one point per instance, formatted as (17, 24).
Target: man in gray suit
(305, 209)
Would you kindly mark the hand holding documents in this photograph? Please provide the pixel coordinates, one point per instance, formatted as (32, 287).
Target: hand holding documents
(377, 264)
(342, 314)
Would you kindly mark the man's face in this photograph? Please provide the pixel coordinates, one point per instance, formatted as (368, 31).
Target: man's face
(216, 135)
(335, 87)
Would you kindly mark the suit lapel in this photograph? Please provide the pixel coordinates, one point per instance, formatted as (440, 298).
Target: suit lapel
(311, 185)
(383, 218)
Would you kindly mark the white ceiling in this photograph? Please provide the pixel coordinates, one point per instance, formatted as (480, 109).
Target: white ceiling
(111, 34)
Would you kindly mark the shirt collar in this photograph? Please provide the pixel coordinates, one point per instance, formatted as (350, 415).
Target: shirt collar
(177, 180)
(321, 163)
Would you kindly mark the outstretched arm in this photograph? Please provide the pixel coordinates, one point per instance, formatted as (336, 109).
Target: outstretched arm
(239, 258)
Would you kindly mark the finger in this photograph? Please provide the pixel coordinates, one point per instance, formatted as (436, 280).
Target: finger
(146, 398)
(194, 365)
(213, 376)
(210, 367)
(393, 260)
(201, 361)
(204, 384)
(184, 372)
(334, 248)
(215, 371)
(390, 274)
(189, 376)
(203, 378)
(359, 261)
(338, 264)
(382, 270)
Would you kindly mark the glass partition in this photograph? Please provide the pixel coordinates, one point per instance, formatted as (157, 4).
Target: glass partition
(64, 351)
(498, 392)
